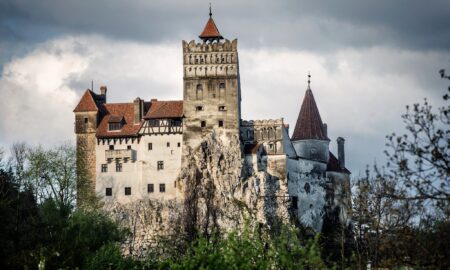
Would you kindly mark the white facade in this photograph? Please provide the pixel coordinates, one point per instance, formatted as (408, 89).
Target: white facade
(138, 167)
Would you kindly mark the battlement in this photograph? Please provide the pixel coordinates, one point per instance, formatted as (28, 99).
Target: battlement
(263, 122)
(193, 47)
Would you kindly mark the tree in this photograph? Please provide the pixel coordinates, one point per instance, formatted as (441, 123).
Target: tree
(420, 159)
(51, 174)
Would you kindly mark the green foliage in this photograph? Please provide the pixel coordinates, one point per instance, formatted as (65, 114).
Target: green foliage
(250, 249)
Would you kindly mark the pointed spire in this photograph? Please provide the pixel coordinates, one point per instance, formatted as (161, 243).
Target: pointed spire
(309, 123)
(210, 32)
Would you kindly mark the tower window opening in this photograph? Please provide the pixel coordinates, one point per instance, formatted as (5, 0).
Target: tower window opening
(162, 188)
(160, 165)
(203, 124)
(127, 191)
(150, 188)
(108, 191)
(222, 108)
(220, 123)
(199, 108)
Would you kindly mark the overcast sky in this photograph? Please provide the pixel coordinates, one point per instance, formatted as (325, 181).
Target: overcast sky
(368, 59)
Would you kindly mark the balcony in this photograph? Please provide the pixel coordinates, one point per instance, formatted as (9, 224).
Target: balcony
(120, 153)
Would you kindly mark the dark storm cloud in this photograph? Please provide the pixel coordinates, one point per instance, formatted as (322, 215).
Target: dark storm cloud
(311, 25)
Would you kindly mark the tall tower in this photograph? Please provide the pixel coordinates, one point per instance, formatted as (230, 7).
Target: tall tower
(211, 94)
(86, 122)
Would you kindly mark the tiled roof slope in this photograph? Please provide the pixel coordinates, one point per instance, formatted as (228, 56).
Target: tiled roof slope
(333, 165)
(116, 111)
(309, 124)
(87, 103)
(210, 31)
(165, 109)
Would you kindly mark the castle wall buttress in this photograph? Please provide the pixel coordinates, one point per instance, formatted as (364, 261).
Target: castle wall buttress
(211, 91)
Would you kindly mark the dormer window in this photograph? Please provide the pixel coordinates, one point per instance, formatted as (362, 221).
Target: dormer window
(115, 126)
(115, 123)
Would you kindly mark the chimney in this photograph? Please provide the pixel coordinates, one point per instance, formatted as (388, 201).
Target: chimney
(103, 90)
(341, 152)
(138, 110)
(325, 129)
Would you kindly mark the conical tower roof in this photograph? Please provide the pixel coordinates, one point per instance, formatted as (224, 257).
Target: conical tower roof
(309, 124)
(210, 32)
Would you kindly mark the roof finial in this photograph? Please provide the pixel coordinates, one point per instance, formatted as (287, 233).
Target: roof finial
(309, 79)
(210, 13)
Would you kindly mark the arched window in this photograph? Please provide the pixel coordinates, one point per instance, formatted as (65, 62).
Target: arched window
(199, 92)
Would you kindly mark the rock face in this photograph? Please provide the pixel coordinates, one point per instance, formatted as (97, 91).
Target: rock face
(218, 195)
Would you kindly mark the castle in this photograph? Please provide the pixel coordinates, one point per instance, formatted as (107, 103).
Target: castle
(134, 151)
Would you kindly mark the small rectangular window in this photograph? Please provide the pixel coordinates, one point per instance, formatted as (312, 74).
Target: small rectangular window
(150, 188)
(111, 147)
(104, 167)
(118, 167)
(179, 144)
(220, 123)
(108, 191)
(127, 191)
(160, 165)
(162, 188)
(85, 120)
(129, 147)
(199, 108)
(168, 144)
(203, 124)
(150, 146)
(294, 202)
(222, 108)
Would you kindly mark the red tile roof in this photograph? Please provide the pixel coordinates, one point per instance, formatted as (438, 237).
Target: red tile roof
(334, 166)
(87, 103)
(210, 31)
(165, 109)
(115, 111)
(309, 124)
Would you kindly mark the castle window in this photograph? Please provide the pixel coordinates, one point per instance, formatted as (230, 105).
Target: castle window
(220, 123)
(307, 188)
(153, 122)
(179, 144)
(150, 146)
(118, 167)
(294, 202)
(199, 108)
(250, 134)
(199, 92)
(108, 191)
(203, 124)
(114, 126)
(104, 167)
(222, 108)
(162, 188)
(168, 144)
(111, 147)
(160, 165)
(127, 191)
(129, 147)
(313, 152)
(85, 120)
(150, 188)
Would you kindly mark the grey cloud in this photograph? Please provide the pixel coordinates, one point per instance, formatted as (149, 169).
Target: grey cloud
(309, 25)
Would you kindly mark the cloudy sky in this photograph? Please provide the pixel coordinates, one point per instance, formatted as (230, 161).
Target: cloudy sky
(368, 59)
